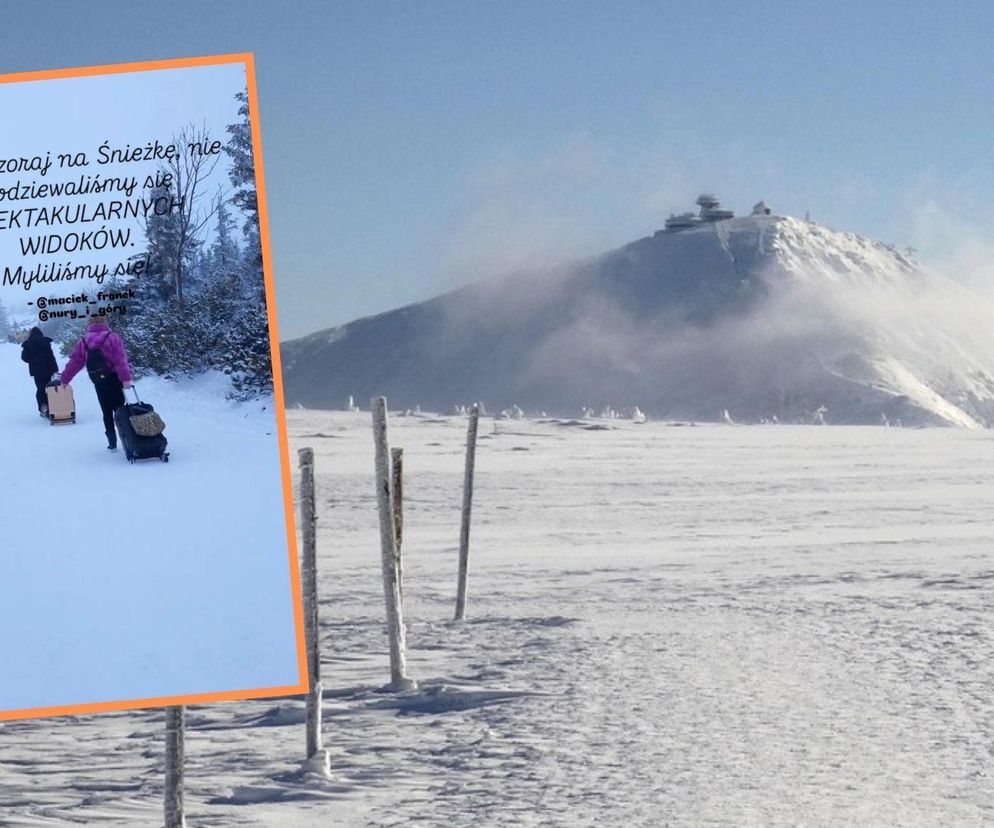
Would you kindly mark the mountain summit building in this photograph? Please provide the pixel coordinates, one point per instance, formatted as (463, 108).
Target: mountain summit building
(710, 211)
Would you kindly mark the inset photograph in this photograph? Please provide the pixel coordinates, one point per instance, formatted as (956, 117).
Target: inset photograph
(146, 509)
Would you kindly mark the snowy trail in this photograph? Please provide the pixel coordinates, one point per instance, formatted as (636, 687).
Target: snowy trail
(124, 582)
(760, 626)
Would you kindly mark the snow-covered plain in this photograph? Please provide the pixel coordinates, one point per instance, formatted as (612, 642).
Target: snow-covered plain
(713, 625)
(121, 582)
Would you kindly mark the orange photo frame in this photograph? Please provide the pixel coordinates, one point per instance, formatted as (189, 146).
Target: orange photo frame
(302, 686)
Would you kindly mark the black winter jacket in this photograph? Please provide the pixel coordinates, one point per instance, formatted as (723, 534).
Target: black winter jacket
(36, 351)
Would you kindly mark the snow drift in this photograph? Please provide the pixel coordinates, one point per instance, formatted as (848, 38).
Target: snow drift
(764, 316)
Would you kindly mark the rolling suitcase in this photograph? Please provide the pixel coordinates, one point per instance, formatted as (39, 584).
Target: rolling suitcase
(136, 446)
(61, 405)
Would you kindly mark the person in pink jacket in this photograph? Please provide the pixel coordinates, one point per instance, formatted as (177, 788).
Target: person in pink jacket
(101, 352)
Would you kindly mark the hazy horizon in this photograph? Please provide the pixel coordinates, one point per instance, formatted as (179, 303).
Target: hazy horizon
(409, 149)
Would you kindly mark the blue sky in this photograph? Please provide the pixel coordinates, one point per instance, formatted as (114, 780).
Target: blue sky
(410, 147)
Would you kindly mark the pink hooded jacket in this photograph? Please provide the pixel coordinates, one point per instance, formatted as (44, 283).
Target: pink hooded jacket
(99, 336)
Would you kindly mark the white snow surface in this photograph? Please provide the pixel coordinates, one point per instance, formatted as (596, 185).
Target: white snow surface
(870, 316)
(122, 582)
(718, 626)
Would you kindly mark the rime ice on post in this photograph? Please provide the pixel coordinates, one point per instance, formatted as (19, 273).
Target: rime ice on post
(309, 580)
(467, 506)
(173, 797)
(388, 549)
(397, 501)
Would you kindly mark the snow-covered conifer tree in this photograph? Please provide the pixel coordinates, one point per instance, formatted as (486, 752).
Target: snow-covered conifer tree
(5, 328)
(246, 355)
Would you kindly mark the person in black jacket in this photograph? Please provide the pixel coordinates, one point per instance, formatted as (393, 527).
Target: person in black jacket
(36, 351)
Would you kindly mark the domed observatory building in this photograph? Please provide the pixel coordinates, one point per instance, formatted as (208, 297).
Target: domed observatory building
(711, 209)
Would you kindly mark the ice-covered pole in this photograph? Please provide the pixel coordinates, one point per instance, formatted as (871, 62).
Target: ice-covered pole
(397, 495)
(173, 798)
(388, 549)
(467, 507)
(309, 581)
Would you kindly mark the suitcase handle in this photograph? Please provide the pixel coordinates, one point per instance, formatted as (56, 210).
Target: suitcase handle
(137, 399)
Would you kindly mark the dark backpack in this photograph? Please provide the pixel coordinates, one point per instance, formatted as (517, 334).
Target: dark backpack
(96, 363)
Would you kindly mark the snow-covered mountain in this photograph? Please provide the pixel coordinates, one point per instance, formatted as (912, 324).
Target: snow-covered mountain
(763, 316)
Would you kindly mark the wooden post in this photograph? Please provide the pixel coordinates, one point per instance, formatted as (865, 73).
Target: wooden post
(388, 550)
(173, 799)
(309, 581)
(397, 500)
(467, 507)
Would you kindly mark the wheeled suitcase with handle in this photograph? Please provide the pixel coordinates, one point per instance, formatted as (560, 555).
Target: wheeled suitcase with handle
(61, 405)
(136, 446)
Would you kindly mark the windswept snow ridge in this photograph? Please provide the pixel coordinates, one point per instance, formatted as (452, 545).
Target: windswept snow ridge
(763, 316)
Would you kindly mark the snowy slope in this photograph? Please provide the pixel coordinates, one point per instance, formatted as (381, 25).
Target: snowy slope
(122, 582)
(714, 626)
(765, 316)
